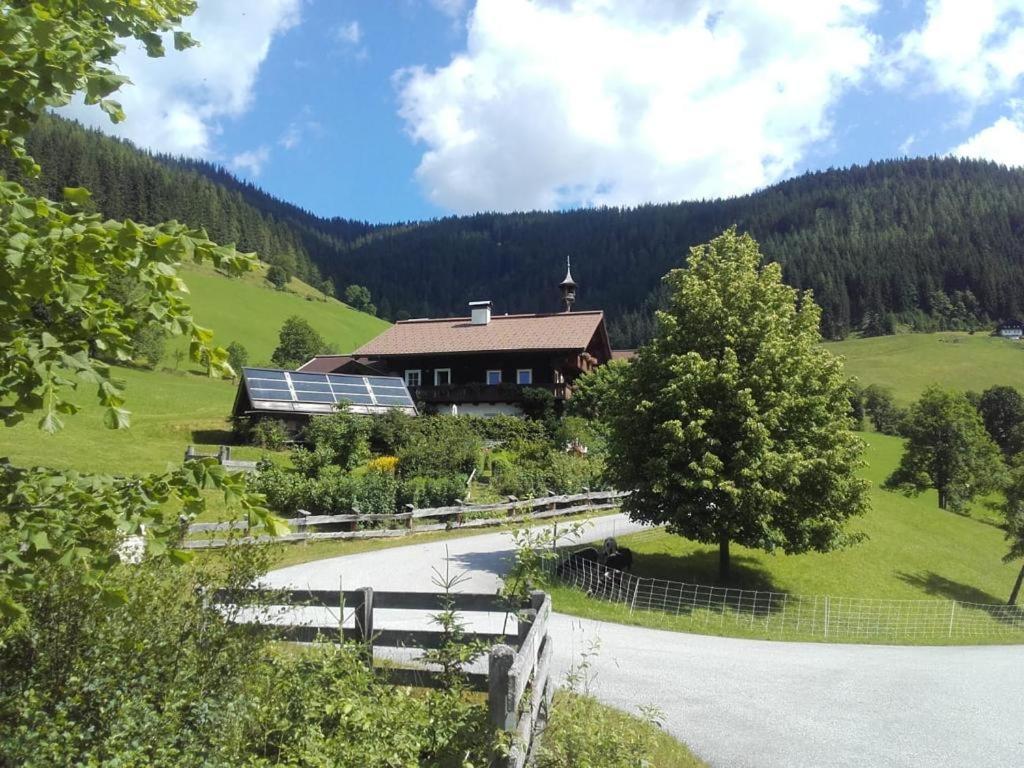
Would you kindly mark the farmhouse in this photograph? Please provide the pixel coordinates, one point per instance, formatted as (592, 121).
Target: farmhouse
(1011, 329)
(482, 363)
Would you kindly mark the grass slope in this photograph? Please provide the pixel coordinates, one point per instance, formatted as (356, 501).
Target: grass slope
(913, 551)
(248, 310)
(171, 409)
(908, 363)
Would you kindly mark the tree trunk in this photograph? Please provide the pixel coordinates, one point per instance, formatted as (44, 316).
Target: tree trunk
(943, 501)
(723, 558)
(1016, 587)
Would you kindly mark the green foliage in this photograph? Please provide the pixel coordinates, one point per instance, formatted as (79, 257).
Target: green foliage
(1002, 410)
(591, 391)
(947, 449)
(76, 287)
(1013, 515)
(298, 341)
(881, 408)
(538, 404)
(149, 343)
(431, 491)
(439, 446)
(164, 679)
(389, 432)
(732, 424)
(342, 437)
(278, 276)
(271, 434)
(357, 297)
(377, 493)
(238, 356)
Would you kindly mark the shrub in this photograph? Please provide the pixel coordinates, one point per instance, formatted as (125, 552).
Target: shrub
(431, 491)
(524, 481)
(271, 434)
(504, 428)
(163, 679)
(440, 446)
(571, 474)
(342, 436)
(298, 341)
(389, 432)
(383, 464)
(377, 493)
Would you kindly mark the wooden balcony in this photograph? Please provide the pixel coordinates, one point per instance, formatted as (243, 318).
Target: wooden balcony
(505, 392)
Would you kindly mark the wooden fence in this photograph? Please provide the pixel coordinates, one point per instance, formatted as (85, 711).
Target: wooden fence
(307, 526)
(223, 456)
(518, 679)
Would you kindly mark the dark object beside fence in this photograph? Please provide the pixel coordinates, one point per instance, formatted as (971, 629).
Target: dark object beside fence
(223, 457)
(518, 679)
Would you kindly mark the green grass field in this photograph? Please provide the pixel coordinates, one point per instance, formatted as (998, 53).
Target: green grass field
(248, 310)
(171, 409)
(913, 551)
(910, 362)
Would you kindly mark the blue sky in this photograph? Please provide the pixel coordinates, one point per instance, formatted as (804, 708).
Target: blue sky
(391, 110)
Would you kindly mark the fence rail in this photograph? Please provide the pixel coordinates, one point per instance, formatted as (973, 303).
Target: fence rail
(780, 615)
(316, 527)
(518, 680)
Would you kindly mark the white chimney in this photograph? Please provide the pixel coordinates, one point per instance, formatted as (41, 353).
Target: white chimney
(481, 312)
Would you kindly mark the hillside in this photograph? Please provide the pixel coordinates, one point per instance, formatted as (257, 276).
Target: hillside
(930, 243)
(910, 362)
(173, 408)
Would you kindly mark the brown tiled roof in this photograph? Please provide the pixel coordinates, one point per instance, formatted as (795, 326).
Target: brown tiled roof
(336, 363)
(504, 333)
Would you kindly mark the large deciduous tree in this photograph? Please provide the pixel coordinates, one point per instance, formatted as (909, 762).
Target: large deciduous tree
(947, 449)
(1013, 510)
(732, 424)
(1002, 410)
(63, 310)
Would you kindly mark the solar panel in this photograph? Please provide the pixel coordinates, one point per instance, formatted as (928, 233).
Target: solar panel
(301, 392)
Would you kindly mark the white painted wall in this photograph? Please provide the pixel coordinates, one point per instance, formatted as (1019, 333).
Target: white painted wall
(486, 409)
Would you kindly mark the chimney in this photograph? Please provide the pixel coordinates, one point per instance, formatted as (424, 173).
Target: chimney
(481, 312)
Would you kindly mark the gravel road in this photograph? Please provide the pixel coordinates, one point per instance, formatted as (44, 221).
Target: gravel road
(746, 702)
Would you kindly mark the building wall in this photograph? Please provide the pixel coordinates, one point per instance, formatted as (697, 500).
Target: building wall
(485, 409)
(472, 368)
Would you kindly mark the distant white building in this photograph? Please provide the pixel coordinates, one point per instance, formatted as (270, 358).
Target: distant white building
(1011, 329)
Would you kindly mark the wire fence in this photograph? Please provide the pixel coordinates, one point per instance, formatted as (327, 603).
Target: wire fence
(780, 615)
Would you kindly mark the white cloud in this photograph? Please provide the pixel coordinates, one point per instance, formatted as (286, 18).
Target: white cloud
(616, 102)
(299, 128)
(907, 144)
(349, 33)
(1001, 142)
(974, 48)
(176, 102)
(251, 161)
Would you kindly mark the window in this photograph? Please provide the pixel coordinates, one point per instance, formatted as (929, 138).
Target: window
(442, 376)
(524, 376)
(558, 376)
(413, 378)
(494, 377)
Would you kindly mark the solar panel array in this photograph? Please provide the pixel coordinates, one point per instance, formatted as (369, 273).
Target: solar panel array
(300, 392)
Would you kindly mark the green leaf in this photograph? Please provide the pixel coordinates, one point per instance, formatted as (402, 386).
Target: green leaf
(11, 609)
(77, 195)
(183, 40)
(180, 556)
(50, 423)
(117, 418)
(41, 541)
(113, 597)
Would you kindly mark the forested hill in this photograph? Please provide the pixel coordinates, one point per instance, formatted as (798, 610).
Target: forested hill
(925, 242)
(931, 243)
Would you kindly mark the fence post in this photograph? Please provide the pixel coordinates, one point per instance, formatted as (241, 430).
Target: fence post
(501, 689)
(826, 615)
(524, 621)
(410, 509)
(364, 620)
(632, 603)
(190, 453)
(952, 615)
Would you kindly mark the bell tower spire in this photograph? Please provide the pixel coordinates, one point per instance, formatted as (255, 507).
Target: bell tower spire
(568, 287)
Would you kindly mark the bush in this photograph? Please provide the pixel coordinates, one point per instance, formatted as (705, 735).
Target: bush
(504, 428)
(342, 435)
(331, 491)
(164, 679)
(383, 464)
(271, 434)
(298, 341)
(431, 491)
(377, 493)
(440, 446)
(571, 474)
(389, 432)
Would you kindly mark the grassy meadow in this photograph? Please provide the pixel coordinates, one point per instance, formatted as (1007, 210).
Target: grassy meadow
(908, 363)
(172, 408)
